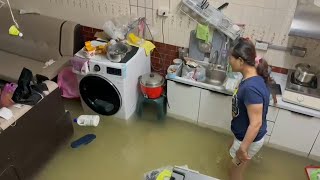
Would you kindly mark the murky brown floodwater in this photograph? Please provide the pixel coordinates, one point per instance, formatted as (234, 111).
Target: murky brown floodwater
(125, 151)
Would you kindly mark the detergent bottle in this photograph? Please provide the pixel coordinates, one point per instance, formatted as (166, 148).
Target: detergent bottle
(87, 120)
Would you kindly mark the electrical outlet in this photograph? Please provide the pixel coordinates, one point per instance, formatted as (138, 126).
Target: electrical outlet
(262, 45)
(163, 11)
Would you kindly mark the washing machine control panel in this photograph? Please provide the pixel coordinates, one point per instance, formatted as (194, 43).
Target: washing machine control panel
(96, 68)
(114, 71)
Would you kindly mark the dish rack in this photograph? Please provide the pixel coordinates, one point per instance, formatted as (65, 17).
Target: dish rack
(202, 12)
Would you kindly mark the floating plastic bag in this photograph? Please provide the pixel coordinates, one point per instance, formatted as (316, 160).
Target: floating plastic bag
(110, 29)
(67, 82)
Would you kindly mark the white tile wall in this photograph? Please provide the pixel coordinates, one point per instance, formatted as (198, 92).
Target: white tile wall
(149, 4)
(141, 12)
(134, 10)
(142, 3)
(267, 20)
(134, 2)
(272, 4)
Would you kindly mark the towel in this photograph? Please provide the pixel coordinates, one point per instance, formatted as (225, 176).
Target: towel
(203, 32)
(147, 45)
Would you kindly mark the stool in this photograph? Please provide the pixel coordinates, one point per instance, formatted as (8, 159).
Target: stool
(160, 102)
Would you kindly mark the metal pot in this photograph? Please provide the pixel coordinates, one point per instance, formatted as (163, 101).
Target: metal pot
(117, 51)
(305, 73)
(151, 85)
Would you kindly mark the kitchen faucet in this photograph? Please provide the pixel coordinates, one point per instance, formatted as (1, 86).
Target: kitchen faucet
(214, 58)
(213, 62)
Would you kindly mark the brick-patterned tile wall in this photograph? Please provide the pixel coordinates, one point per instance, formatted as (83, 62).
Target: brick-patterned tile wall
(162, 56)
(88, 33)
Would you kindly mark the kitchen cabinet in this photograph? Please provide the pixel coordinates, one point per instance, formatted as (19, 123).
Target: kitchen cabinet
(315, 152)
(266, 139)
(215, 110)
(294, 132)
(183, 101)
(270, 126)
(272, 113)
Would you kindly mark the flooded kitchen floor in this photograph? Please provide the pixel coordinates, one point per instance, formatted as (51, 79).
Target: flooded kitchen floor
(125, 151)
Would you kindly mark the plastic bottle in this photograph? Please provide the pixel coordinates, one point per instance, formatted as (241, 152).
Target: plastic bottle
(87, 120)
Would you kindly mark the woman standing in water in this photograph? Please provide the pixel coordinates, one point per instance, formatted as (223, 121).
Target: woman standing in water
(249, 106)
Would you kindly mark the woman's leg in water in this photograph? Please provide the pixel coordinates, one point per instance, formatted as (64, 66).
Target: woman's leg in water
(237, 172)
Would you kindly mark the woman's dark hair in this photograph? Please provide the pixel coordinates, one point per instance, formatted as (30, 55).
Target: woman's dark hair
(246, 50)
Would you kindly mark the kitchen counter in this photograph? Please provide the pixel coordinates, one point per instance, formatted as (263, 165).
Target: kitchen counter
(199, 85)
(177, 78)
(282, 79)
(279, 78)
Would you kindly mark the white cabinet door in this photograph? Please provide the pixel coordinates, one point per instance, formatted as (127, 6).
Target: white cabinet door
(315, 152)
(183, 101)
(266, 139)
(270, 125)
(294, 132)
(215, 110)
(272, 113)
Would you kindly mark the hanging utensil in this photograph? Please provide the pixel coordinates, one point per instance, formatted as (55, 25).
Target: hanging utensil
(223, 6)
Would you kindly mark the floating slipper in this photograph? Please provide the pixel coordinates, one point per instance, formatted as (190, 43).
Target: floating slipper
(83, 140)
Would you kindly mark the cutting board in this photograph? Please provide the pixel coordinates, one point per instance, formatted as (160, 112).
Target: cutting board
(194, 51)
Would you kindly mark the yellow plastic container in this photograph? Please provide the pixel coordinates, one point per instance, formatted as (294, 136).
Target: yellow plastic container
(87, 44)
(134, 39)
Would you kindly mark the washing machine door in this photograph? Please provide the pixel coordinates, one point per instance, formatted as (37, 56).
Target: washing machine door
(100, 95)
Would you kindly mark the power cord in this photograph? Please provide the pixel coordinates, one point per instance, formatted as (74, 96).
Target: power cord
(162, 31)
(143, 19)
(161, 61)
(13, 19)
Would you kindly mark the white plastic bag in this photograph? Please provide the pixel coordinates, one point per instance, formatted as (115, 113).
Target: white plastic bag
(110, 29)
(118, 27)
(196, 74)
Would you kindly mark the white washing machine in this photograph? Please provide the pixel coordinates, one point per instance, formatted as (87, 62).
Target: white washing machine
(112, 89)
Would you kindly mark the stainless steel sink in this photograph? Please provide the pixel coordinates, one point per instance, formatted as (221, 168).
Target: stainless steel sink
(215, 75)
(215, 78)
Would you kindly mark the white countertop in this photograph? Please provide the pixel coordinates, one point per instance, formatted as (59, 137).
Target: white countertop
(282, 80)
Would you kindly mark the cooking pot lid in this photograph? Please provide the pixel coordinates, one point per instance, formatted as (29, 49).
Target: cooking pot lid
(152, 80)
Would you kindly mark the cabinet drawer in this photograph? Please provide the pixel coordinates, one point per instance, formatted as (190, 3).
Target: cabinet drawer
(270, 125)
(272, 113)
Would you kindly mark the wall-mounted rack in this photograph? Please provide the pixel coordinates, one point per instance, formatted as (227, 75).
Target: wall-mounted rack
(204, 13)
